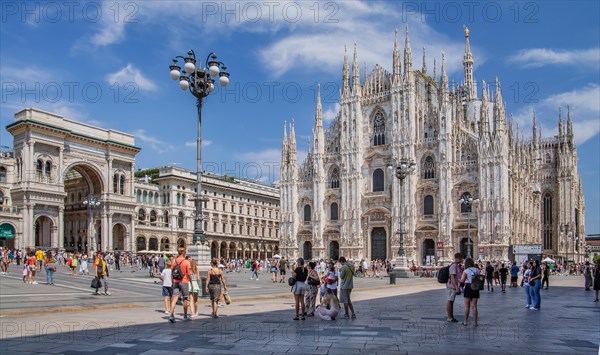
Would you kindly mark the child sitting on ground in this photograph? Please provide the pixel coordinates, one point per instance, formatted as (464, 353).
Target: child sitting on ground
(329, 307)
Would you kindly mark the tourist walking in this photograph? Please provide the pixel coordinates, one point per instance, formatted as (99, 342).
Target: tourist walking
(31, 268)
(471, 296)
(254, 269)
(329, 307)
(525, 284)
(452, 286)
(50, 268)
(274, 267)
(213, 285)
(545, 275)
(489, 276)
(102, 273)
(514, 275)
(535, 283)
(587, 275)
(282, 269)
(313, 282)
(167, 286)
(346, 286)
(597, 281)
(194, 287)
(503, 275)
(180, 273)
(299, 288)
(83, 265)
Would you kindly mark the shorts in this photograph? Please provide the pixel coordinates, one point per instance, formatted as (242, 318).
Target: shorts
(503, 280)
(167, 291)
(183, 289)
(299, 288)
(451, 294)
(514, 278)
(281, 272)
(345, 296)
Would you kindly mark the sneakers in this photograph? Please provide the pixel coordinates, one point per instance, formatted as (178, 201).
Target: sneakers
(34, 283)
(188, 317)
(167, 312)
(353, 316)
(107, 293)
(534, 309)
(172, 319)
(220, 305)
(526, 306)
(346, 316)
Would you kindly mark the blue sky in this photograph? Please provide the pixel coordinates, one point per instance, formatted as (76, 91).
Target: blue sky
(106, 63)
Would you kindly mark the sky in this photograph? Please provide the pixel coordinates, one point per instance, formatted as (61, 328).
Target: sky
(106, 64)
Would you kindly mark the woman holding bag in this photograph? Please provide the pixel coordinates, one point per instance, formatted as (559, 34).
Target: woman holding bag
(194, 275)
(213, 285)
(470, 296)
(313, 283)
(535, 284)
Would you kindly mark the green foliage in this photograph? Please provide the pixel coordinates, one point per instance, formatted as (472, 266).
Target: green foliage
(597, 259)
(152, 173)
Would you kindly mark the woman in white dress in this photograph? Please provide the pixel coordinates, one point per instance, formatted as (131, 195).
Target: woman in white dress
(83, 268)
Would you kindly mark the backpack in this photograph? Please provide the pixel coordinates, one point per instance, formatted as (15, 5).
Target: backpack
(176, 272)
(443, 275)
(477, 282)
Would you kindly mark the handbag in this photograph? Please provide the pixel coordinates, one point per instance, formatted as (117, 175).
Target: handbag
(314, 282)
(292, 281)
(95, 282)
(227, 298)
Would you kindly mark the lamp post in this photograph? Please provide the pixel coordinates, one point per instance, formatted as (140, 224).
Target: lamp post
(468, 202)
(91, 202)
(404, 168)
(200, 83)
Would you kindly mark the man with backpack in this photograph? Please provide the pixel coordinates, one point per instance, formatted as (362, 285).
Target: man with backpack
(452, 285)
(180, 276)
(101, 273)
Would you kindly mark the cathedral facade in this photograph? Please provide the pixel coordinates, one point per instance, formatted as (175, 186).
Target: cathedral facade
(345, 199)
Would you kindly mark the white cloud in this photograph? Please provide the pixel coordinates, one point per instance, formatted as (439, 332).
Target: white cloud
(154, 143)
(585, 113)
(539, 57)
(331, 113)
(192, 144)
(129, 74)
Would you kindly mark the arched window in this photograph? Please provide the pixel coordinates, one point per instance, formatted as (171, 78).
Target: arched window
(141, 216)
(115, 183)
(178, 198)
(122, 185)
(428, 168)
(180, 220)
(152, 217)
(1, 198)
(166, 217)
(307, 213)
(48, 169)
(428, 205)
(39, 167)
(334, 211)
(156, 198)
(138, 198)
(334, 178)
(2, 174)
(378, 129)
(145, 197)
(378, 180)
(547, 220)
(183, 199)
(465, 207)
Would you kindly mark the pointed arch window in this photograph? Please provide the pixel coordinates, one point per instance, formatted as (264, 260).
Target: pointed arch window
(378, 180)
(122, 185)
(141, 216)
(48, 169)
(39, 167)
(378, 129)
(2, 174)
(334, 179)
(428, 205)
(334, 211)
(547, 220)
(180, 220)
(152, 217)
(115, 183)
(307, 213)
(428, 168)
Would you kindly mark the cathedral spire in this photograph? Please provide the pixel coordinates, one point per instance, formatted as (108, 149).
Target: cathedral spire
(499, 109)
(424, 68)
(284, 146)
(292, 143)
(569, 124)
(468, 67)
(345, 75)
(560, 123)
(444, 78)
(407, 55)
(434, 71)
(485, 111)
(534, 129)
(396, 75)
(355, 73)
(319, 109)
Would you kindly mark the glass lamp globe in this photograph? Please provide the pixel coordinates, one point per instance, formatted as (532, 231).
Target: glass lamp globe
(174, 74)
(223, 81)
(189, 67)
(211, 87)
(184, 85)
(213, 70)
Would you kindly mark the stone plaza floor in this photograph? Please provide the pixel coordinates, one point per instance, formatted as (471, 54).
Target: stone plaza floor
(403, 319)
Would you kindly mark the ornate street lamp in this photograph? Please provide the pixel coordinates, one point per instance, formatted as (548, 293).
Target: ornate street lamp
(404, 168)
(200, 82)
(468, 201)
(91, 202)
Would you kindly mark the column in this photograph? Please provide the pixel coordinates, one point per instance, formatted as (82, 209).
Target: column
(30, 171)
(61, 227)
(104, 236)
(109, 231)
(60, 172)
(54, 236)
(130, 240)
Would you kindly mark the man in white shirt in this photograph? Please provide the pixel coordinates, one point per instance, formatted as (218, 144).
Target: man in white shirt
(453, 286)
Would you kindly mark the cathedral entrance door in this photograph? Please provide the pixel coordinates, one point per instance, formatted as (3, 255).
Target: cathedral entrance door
(428, 251)
(334, 250)
(307, 251)
(378, 244)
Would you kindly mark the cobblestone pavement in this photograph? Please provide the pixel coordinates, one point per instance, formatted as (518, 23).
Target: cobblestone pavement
(408, 319)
